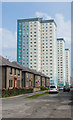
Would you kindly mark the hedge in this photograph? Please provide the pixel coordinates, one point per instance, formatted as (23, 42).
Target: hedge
(15, 91)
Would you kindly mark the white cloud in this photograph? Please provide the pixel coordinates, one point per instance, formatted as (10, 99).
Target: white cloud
(44, 15)
(9, 44)
(63, 27)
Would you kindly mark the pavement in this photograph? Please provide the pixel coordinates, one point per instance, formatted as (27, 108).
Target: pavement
(46, 106)
(25, 95)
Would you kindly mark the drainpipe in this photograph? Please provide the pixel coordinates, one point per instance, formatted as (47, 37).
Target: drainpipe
(41, 80)
(45, 82)
(34, 81)
(5, 77)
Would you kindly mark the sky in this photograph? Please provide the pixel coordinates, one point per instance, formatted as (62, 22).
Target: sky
(11, 11)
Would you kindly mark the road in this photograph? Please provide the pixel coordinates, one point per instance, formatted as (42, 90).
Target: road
(47, 106)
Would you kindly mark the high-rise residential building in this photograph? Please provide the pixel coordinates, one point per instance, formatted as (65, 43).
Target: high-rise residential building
(49, 50)
(29, 43)
(37, 46)
(61, 61)
(67, 67)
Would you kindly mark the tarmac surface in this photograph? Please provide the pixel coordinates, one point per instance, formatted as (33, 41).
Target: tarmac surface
(46, 106)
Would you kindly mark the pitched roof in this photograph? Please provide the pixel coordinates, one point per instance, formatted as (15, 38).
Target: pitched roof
(21, 66)
(5, 62)
(26, 69)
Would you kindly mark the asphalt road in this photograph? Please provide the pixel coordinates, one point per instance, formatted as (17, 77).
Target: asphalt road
(47, 106)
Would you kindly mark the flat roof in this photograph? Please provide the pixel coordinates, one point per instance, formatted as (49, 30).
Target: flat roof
(66, 49)
(61, 39)
(41, 20)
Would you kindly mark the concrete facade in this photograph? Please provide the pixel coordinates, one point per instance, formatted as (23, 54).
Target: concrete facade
(67, 67)
(37, 46)
(61, 61)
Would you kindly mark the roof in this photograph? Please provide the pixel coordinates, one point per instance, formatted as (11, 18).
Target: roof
(48, 21)
(60, 39)
(30, 19)
(21, 66)
(14, 64)
(41, 20)
(66, 49)
(26, 69)
(6, 62)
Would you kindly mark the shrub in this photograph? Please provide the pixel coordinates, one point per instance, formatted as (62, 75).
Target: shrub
(15, 91)
(43, 88)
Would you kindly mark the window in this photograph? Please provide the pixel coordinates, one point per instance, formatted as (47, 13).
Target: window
(34, 49)
(50, 36)
(50, 26)
(34, 59)
(10, 83)
(18, 72)
(10, 70)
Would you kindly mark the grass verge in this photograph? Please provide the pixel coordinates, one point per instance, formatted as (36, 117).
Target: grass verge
(36, 95)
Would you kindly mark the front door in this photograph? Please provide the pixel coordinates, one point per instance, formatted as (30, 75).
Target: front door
(15, 82)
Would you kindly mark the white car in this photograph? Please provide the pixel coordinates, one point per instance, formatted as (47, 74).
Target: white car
(53, 89)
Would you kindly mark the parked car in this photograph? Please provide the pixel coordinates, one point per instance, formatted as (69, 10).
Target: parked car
(53, 89)
(71, 86)
(61, 88)
(66, 89)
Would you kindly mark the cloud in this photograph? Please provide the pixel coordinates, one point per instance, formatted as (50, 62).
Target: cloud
(63, 27)
(44, 15)
(9, 44)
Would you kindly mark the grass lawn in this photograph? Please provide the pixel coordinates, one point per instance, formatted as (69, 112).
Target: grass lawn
(37, 95)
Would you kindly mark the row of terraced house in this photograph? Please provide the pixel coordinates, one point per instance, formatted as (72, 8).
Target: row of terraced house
(15, 75)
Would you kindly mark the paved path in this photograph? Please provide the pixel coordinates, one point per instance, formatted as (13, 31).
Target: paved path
(46, 106)
(25, 95)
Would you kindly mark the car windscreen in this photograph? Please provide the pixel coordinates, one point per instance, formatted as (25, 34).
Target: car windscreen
(52, 87)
